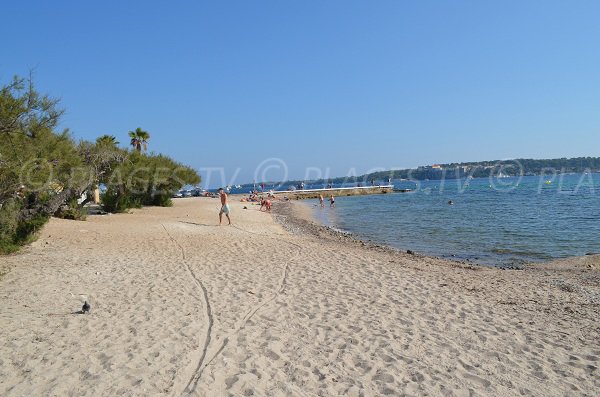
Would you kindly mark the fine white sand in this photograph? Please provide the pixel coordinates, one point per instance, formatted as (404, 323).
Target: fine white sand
(181, 306)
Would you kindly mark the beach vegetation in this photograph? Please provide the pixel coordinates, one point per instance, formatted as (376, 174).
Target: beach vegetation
(36, 162)
(145, 180)
(44, 172)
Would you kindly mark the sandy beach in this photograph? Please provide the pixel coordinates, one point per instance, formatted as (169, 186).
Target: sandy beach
(278, 306)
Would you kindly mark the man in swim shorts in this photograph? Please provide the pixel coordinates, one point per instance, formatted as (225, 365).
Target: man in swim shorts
(224, 206)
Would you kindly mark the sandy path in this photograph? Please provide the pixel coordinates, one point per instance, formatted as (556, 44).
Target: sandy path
(181, 306)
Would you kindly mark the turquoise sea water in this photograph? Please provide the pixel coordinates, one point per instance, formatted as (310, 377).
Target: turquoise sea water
(500, 221)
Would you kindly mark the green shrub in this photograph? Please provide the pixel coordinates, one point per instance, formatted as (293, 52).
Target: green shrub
(116, 202)
(26, 230)
(144, 180)
(15, 233)
(7, 247)
(161, 200)
(72, 211)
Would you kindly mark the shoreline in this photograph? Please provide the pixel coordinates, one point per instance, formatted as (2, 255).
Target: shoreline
(303, 212)
(297, 218)
(302, 217)
(276, 304)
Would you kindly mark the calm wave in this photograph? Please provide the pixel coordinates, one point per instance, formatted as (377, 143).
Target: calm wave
(497, 222)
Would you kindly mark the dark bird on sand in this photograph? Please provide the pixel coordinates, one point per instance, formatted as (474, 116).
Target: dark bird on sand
(86, 307)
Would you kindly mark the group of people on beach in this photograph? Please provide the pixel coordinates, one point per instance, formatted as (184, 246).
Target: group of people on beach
(265, 203)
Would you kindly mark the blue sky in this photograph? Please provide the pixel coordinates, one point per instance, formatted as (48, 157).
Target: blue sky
(334, 86)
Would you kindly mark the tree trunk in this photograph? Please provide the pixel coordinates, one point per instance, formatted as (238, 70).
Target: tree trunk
(51, 206)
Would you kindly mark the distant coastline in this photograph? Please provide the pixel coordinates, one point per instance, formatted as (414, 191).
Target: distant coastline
(478, 169)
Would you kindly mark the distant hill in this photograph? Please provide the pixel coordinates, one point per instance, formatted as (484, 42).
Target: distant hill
(478, 169)
(484, 169)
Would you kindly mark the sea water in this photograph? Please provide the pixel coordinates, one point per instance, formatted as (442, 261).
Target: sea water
(492, 221)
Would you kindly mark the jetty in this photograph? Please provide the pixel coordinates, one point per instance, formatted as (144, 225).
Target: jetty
(337, 192)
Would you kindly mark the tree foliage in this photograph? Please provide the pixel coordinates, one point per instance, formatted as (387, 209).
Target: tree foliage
(43, 172)
(139, 139)
(36, 163)
(145, 180)
(107, 140)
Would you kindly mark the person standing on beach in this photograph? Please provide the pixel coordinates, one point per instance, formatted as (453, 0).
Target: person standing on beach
(331, 201)
(321, 200)
(224, 206)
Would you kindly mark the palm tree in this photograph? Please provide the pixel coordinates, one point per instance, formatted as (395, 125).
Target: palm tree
(107, 140)
(139, 139)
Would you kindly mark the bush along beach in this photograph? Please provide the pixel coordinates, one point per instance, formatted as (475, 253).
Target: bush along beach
(44, 172)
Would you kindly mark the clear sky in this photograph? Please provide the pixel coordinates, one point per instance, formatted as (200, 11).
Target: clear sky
(333, 85)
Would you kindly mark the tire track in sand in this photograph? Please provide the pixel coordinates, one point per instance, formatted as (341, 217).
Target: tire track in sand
(198, 370)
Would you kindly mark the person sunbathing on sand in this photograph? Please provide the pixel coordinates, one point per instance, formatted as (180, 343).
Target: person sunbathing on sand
(224, 206)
